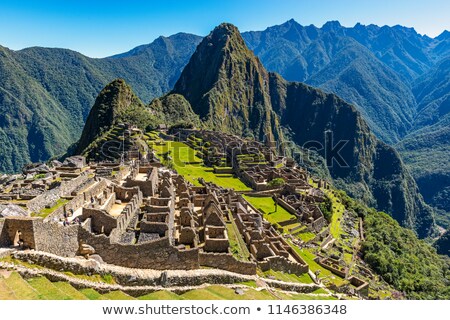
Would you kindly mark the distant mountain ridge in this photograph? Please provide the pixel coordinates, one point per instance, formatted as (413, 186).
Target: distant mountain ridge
(71, 80)
(46, 93)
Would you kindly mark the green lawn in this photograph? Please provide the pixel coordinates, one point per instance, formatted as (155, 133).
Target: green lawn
(267, 206)
(160, 295)
(223, 293)
(69, 290)
(46, 289)
(306, 236)
(282, 276)
(117, 295)
(308, 257)
(301, 296)
(336, 218)
(17, 288)
(185, 162)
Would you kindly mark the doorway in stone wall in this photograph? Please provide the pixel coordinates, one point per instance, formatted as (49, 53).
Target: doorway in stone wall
(18, 241)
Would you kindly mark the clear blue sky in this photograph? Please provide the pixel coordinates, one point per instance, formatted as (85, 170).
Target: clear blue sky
(103, 28)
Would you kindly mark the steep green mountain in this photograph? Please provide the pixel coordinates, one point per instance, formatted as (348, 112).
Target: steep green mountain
(46, 94)
(33, 125)
(398, 80)
(112, 107)
(231, 91)
(384, 101)
(432, 92)
(426, 152)
(173, 110)
(371, 170)
(340, 60)
(442, 244)
(226, 86)
(426, 149)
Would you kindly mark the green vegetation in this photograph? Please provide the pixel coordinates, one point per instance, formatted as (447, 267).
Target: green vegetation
(273, 214)
(308, 256)
(277, 182)
(91, 294)
(46, 211)
(237, 245)
(337, 212)
(442, 245)
(304, 278)
(50, 92)
(117, 295)
(306, 236)
(223, 293)
(15, 287)
(47, 290)
(396, 254)
(327, 208)
(160, 295)
(309, 297)
(186, 163)
(407, 263)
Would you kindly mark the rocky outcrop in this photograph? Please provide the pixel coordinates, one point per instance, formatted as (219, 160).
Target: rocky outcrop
(110, 108)
(227, 86)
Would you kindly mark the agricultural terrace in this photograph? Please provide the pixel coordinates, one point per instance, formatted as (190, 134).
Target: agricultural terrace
(186, 163)
(280, 217)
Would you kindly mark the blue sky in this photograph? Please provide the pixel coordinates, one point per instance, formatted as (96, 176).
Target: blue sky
(103, 28)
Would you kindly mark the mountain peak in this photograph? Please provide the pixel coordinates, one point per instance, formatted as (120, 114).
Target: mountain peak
(226, 27)
(223, 34)
(444, 35)
(111, 104)
(333, 25)
(227, 86)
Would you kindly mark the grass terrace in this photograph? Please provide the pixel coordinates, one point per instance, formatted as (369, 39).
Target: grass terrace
(308, 256)
(267, 206)
(14, 287)
(338, 212)
(47, 211)
(190, 166)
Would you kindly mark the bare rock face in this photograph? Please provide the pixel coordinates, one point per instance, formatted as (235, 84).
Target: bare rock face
(12, 210)
(96, 258)
(239, 291)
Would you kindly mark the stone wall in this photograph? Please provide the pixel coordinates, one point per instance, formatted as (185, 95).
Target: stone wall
(26, 228)
(4, 239)
(73, 204)
(226, 261)
(101, 221)
(154, 227)
(157, 254)
(361, 286)
(287, 206)
(129, 277)
(332, 265)
(55, 238)
(48, 198)
(50, 237)
(148, 187)
(67, 187)
(278, 263)
(95, 190)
